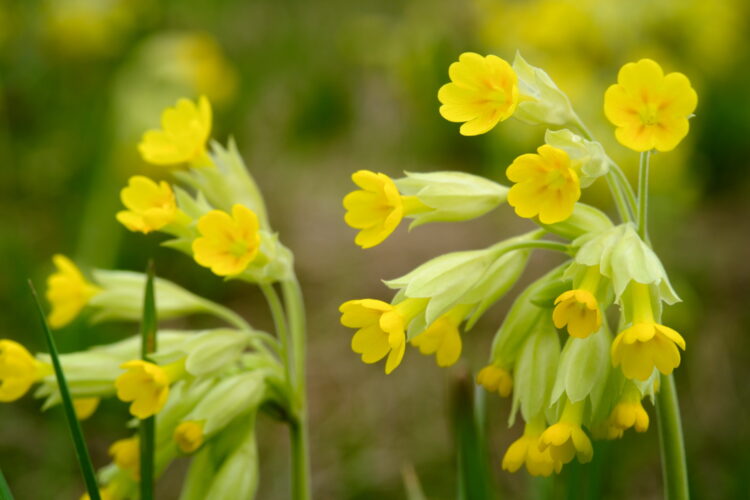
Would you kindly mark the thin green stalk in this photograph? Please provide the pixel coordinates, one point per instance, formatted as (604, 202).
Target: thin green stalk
(260, 340)
(147, 428)
(5, 493)
(674, 466)
(279, 322)
(643, 195)
(617, 194)
(540, 244)
(82, 452)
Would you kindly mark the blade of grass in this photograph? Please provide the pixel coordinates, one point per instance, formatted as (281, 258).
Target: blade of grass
(5, 493)
(148, 346)
(82, 452)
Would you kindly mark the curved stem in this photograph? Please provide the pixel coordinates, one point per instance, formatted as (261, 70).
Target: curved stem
(643, 195)
(279, 321)
(674, 466)
(260, 340)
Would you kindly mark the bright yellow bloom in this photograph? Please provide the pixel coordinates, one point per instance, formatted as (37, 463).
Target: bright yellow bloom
(495, 379)
(545, 185)
(649, 109)
(18, 370)
(565, 439)
(228, 244)
(526, 450)
(629, 412)
(146, 385)
(579, 310)
(105, 493)
(85, 407)
(646, 344)
(151, 206)
(67, 291)
(125, 454)
(189, 436)
(182, 139)
(381, 328)
(442, 337)
(483, 92)
(378, 208)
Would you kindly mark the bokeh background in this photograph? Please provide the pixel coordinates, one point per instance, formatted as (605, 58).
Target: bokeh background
(313, 91)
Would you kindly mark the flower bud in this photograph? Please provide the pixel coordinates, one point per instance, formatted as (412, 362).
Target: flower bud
(542, 102)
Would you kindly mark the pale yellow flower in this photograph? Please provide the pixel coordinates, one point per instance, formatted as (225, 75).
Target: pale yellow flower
(228, 244)
(183, 136)
(151, 206)
(67, 291)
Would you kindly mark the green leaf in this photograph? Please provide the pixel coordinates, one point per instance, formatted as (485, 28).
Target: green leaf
(473, 460)
(5, 493)
(147, 426)
(82, 452)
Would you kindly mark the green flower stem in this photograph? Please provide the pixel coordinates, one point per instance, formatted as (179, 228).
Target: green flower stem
(674, 466)
(147, 427)
(260, 340)
(279, 321)
(643, 195)
(541, 244)
(617, 195)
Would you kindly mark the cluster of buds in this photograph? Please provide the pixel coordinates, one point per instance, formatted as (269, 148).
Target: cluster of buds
(555, 350)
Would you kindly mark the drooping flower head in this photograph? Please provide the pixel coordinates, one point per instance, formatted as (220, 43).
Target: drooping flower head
(649, 109)
(578, 309)
(18, 370)
(146, 385)
(442, 337)
(494, 378)
(565, 440)
(228, 243)
(182, 138)
(545, 185)
(628, 412)
(150, 206)
(526, 451)
(67, 291)
(483, 92)
(125, 454)
(381, 328)
(189, 436)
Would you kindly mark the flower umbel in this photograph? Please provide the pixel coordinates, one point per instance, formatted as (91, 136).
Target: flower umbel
(18, 370)
(483, 92)
(150, 206)
(189, 436)
(125, 454)
(228, 243)
(67, 291)
(442, 337)
(565, 439)
(495, 379)
(526, 450)
(650, 109)
(545, 185)
(146, 385)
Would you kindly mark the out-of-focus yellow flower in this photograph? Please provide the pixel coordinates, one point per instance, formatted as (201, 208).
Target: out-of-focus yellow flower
(526, 450)
(228, 244)
(67, 291)
(378, 208)
(18, 370)
(649, 109)
(211, 73)
(151, 206)
(579, 310)
(628, 412)
(442, 337)
(125, 454)
(85, 407)
(545, 185)
(189, 436)
(483, 92)
(496, 379)
(146, 385)
(565, 440)
(105, 493)
(381, 328)
(182, 139)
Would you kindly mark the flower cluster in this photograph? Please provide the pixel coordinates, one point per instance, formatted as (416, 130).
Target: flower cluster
(555, 351)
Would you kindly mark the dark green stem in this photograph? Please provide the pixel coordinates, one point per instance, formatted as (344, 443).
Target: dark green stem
(674, 466)
(147, 428)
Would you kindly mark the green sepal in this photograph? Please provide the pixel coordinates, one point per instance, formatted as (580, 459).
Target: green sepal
(584, 363)
(590, 157)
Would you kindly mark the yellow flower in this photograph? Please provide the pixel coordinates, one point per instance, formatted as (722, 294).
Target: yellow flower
(18, 370)
(442, 337)
(646, 344)
(85, 407)
(125, 454)
(228, 244)
(67, 291)
(151, 206)
(495, 379)
(526, 450)
(380, 328)
(649, 109)
(146, 385)
(106, 493)
(628, 412)
(182, 139)
(189, 436)
(579, 310)
(377, 209)
(565, 440)
(483, 92)
(545, 185)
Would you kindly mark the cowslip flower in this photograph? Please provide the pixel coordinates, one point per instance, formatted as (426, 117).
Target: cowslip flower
(189, 436)
(125, 454)
(228, 243)
(495, 378)
(649, 109)
(578, 309)
(628, 412)
(18, 370)
(378, 208)
(85, 407)
(526, 451)
(545, 185)
(566, 440)
(483, 92)
(67, 291)
(150, 206)
(646, 345)
(183, 136)
(381, 328)
(442, 338)
(146, 385)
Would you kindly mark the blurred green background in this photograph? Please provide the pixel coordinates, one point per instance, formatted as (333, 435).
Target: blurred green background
(313, 91)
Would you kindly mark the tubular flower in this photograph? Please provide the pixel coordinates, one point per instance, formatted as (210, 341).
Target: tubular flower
(442, 337)
(629, 412)
(182, 139)
(578, 308)
(125, 454)
(566, 440)
(526, 450)
(483, 92)
(228, 243)
(646, 344)
(18, 370)
(649, 109)
(67, 291)
(146, 385)
(150, 206)
(85, 407)
(189, 436)
(377, 209)
(545, 185)
(495, 379)
(380, 328)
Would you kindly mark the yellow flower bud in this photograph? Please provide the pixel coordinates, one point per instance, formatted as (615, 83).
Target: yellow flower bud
(85, 407)
(495, 379)
(189, 436)
(18, 370)
(67, 291)
(125, 454)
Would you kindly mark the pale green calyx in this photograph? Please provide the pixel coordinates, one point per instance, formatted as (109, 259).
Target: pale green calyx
(584, 219)
(592, 161)
(542, 102)
(451, 196)
(274, 262)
